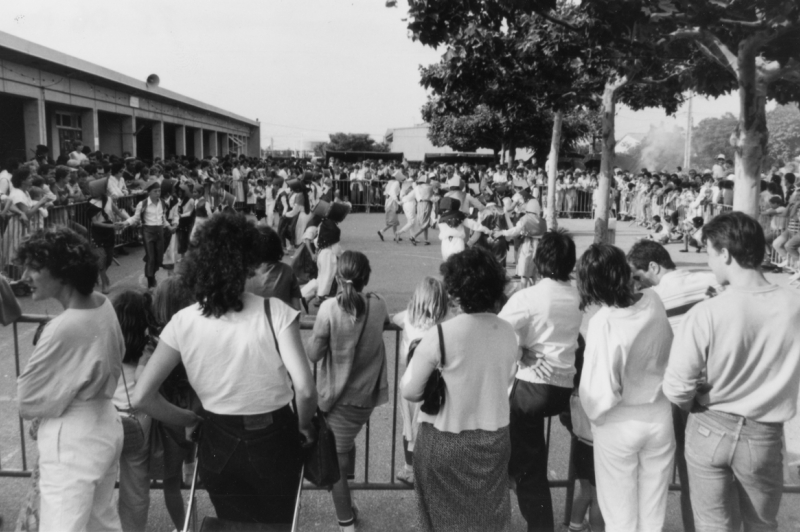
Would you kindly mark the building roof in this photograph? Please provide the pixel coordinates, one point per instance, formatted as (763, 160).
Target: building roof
(32, 54)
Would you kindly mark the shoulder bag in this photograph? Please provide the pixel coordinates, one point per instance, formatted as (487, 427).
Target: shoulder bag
(434, 394)
(320, 458)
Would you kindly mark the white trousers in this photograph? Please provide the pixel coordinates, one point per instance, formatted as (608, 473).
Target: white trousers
(634, 450)
(78, 461)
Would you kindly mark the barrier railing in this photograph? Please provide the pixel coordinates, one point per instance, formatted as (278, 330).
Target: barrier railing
(70, 215)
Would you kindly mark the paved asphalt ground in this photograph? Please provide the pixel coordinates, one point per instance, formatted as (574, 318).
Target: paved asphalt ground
(396, 269)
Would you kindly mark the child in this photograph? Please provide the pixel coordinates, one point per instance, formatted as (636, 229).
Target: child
(170, 297)
(348, 332)
(250, 205)
(273, 278)
(392, 193)
(37, 222)
(261, 201)
(777, 221)
(696, 239)
(582, 461)
(133, 310)
(660, 231)
(452, 224)
(428, 307)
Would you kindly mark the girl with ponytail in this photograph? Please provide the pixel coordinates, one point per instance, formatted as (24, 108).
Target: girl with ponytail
(347, 341)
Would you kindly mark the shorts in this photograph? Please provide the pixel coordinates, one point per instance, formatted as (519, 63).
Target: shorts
(346, 422)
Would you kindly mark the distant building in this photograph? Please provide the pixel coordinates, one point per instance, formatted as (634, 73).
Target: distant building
(628, 143)
(50, 98)
(414, 143)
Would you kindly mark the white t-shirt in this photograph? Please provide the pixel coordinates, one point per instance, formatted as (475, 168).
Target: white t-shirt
(627, 350)
(231, 361)
(18, 195)
(680, 288)
(547, 320)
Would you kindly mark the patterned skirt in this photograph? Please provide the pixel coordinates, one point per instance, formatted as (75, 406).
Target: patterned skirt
(461, 480)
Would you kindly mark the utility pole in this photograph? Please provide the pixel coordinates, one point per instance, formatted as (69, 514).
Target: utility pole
(687, 150)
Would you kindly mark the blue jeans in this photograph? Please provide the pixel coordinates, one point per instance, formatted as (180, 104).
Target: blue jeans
(730, 458)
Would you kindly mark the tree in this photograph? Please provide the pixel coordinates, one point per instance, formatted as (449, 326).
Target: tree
(352, 142)
(749, 45)
(465, 132)
(710, 138)
(783, 124)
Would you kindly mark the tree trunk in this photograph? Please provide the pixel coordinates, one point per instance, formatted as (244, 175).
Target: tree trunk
(512, 153)
(606, 158)
(551, 213)
(751, 136)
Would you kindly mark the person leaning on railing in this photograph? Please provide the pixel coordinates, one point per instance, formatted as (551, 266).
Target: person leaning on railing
(250, 447)
(69, 382)
(462, 452)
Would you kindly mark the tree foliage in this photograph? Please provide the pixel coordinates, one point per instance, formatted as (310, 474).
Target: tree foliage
(783, 123)
(712, 137)
(352, 142)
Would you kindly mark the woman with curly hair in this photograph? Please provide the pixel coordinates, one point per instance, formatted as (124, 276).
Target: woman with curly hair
(243, 355)
(627, 349)
(69, 383)
(461, 453)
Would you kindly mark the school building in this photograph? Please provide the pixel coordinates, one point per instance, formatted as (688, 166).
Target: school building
(50, 98)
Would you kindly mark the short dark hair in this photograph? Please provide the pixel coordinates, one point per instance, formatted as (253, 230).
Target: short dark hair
(117, 167)
(67, 255)
(644, 252)
(61, 172)
(475, 280)
(20, 175)
(604, 277)
(269, 244)
(789, 177)
(740, 234)
(555, 257)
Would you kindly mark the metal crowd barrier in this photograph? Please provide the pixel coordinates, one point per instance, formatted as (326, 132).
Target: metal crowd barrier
(71, 215)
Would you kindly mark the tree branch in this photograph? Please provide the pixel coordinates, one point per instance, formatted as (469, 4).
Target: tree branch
(772, 71)
(559, 21)
(711, 47)
(743, 23)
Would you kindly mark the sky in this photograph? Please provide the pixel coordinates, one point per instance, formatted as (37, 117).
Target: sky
(303, 68)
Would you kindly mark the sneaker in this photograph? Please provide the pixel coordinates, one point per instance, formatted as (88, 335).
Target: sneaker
(405, 475)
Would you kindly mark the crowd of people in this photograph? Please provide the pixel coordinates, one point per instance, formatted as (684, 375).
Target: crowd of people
(674, 367)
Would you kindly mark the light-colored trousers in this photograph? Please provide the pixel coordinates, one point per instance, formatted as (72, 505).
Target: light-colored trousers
(634, 450)
(78, 461)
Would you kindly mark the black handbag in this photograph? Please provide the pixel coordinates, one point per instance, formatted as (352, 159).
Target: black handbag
(320, 458)
(433, 396)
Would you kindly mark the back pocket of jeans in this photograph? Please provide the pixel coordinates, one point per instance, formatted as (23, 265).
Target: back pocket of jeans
(216, 447)
(274, 455)
(705, 444)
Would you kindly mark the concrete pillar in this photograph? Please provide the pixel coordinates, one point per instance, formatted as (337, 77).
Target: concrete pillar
(254, 142)
(91, 129)
(212, 144)
(35, 126)
(129, 135)
(158, 139)
(222, 139)
(180, 141)
(198, 143)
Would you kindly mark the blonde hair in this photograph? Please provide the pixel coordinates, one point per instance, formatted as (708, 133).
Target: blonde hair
(429, 304)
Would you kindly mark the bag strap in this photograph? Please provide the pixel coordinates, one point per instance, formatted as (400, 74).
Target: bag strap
(441, 344)
(366, 317)
(268, 312)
